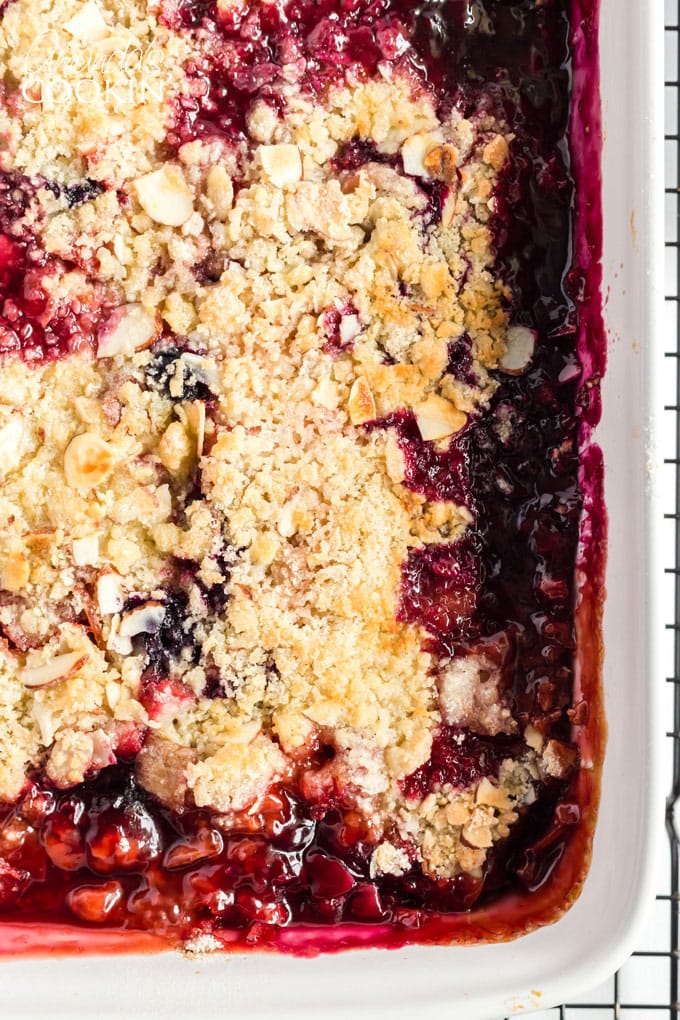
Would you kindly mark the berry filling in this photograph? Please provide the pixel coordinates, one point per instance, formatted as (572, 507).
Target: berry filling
(34, 320)
(112, 851)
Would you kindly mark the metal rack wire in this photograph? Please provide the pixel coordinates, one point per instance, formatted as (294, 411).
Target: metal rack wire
(648, 985)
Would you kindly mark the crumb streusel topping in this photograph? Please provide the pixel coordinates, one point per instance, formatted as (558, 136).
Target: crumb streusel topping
(206, 500)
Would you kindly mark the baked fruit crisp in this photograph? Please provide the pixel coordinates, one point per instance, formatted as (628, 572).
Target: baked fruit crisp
(290, 402)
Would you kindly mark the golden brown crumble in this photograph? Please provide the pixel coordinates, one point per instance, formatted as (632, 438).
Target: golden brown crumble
(267, 482)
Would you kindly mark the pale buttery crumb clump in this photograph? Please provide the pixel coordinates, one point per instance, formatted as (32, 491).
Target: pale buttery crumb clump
(197, 499)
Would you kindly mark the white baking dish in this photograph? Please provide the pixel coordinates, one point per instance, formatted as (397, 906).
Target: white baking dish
(539, 970)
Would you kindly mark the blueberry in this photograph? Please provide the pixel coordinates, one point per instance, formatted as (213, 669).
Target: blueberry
(163, 369)
(173, 638)
(83, 191)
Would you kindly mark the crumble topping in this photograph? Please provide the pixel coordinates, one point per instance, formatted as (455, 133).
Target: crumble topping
(205, 529)
(86, 88)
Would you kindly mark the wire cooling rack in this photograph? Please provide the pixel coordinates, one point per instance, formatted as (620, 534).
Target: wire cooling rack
(647, 986)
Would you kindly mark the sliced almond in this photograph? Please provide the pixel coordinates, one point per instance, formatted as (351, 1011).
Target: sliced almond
(442, 163)
(438, 418)
(520, 346)
(350, 327)
(281, 163)
(165, 196)
(85, 551)
(11, 444)
(395, 461)
(361, 403)
(110, 593)
(61, 667)
(117, 643)
(449, 208)
(128, 329)
(113, 693)
(286, 525)
(220, 191)
(88, 460)
(415, 150)
(88, 24)
(202, 368)
(325, 394)
(196, 418)
(145, 619)
(14, 572)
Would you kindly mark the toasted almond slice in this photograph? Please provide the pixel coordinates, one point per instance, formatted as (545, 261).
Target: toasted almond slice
(116, 642)
(202, 368)
(11, 444)
(361, 403)
(438, 418)
(520, 346)
(416, 148)
(220, 191)
(165, 196)
(88, 24)
(113, 692)
(14, 572)
(395, 461)
(85, 550)
(449, 208)
(286, 525)
(281, 163)
(110, 593)
(128, 329)
(325, 393)
(88, 460)
(350, 327)
(442, 163)
(145, 619)
(61, 667)
(195, 412)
